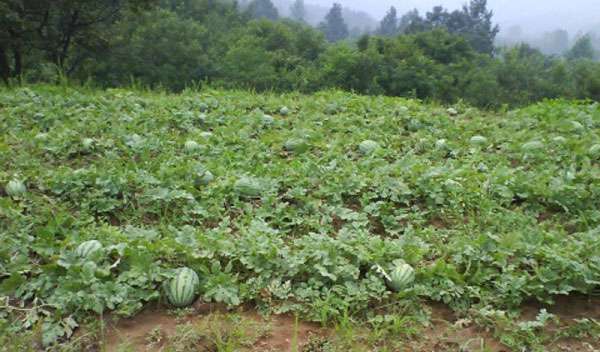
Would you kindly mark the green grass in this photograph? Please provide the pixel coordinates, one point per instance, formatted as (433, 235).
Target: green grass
(485, 226)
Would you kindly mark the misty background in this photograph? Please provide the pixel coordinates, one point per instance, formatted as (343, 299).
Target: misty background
(536, 22)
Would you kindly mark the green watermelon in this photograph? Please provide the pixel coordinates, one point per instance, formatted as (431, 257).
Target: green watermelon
(86, 248)
(15, 188)
(441, 144)
(594, 151)
(296, 145)
(452, 111)
(368, 147)
(203, 107)
(267, 120)
(248, 187)
(87, 144)
(532, 146)
(401, 276)
(478, 140)
(202, 176)
(181, 290)
(576, 126)
(191, 146)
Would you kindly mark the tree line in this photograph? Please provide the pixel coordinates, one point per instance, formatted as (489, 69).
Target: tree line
(446, 56)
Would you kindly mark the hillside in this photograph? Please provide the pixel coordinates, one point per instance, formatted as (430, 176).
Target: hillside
(302, 205)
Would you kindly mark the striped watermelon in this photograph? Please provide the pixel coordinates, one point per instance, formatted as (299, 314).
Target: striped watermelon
(478, 140)
(181, 290)
(368, 147)
(594, 151)
(85, 249)
(15, 188)
(401, 276)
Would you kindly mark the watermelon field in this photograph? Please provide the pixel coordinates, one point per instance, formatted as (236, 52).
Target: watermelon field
(217, 220)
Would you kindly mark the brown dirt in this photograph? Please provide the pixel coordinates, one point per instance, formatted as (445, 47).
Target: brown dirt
(135, 332)
(448, 333)
(445, 333)
(567, 308)
(281, 336)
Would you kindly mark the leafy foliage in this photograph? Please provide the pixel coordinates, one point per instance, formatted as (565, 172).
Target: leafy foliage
(485, 224)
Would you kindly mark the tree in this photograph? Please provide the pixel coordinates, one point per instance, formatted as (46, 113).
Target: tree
(334, 27)
(54, 28)
(411, 22)
(389, 24)
(473, 21)
(298, 11)
(156, 48)
(480, 31)
(582, 49)
(263, 9)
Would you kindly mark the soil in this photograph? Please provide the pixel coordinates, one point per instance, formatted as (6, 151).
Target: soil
(445, 333)
(135, 332)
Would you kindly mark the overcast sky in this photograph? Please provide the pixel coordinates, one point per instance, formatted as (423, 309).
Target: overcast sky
(534, 16)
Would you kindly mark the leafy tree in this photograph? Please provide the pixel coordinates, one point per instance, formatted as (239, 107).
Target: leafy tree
(298, 11)
(54, 28)
(13, 30)
(411, 21)
(334, 27)
(263, 9)
(525, 75)
(157, 48)
(473, 21)
(480, 31)
(586, 75)
(346, 68)
(582, 49)
(389, 24)
(272, 55)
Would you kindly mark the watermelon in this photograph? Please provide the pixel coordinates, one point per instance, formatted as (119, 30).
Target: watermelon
(15, 188)
(532, 146)
(284, 111)
(368, 147)
(478, 140)
(401, 276)
(296, 145)
(594, 151)
(87, 143)
(452, 111)
(248, 187)
(441, 144)
(181, 290)
(202, 176)
(576, 126)
(85, 249)
(41, 137)
(191, 146)
(267, 120)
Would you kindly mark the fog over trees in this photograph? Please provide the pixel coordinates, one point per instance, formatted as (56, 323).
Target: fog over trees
(553, 26)
(536, 16)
